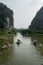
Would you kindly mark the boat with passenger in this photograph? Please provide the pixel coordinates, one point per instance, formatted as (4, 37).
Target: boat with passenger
(35, 42)
(18, 41)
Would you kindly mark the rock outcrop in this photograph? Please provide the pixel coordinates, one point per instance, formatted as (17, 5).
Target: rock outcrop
(6, 17)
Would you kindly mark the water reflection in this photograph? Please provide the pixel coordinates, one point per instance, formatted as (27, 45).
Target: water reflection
(18, 44)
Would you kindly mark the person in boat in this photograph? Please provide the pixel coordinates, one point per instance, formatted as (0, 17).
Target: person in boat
(34, 42)
(18, 41)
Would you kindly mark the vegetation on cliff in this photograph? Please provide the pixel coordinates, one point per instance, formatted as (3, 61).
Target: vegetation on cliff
(37, 22)
(6, 20)
(6, 17)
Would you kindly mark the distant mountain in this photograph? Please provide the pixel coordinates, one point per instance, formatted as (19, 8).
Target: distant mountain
(6, 17)
(37, 22)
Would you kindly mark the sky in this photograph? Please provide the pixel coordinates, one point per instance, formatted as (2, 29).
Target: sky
(24, 11)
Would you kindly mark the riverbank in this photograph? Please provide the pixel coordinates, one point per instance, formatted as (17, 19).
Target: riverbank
(27, 35)
(6, 38)
(27, 32)
(7, 33)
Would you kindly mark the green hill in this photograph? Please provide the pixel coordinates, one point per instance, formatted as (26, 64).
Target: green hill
(37, 22)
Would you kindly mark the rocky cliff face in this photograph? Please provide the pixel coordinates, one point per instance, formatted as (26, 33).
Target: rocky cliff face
(37, 22)
(6, 17)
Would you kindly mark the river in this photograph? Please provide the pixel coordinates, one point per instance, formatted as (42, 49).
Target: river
(24, 53)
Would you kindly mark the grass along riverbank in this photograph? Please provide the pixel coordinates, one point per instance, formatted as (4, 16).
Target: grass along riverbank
(6, 37)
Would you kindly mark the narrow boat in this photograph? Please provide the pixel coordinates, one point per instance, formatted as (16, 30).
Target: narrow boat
(18, 41)
(35, 42)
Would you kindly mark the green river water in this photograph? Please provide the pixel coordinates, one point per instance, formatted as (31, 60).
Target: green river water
(23, 54)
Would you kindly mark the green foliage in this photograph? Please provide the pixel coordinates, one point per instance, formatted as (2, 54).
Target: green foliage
(7, 33)
(27, 32)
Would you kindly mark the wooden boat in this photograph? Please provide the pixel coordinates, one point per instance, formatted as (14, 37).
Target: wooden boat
(18, 41)
(35, 42)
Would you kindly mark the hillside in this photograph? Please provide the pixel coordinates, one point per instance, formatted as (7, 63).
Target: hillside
(37, 22)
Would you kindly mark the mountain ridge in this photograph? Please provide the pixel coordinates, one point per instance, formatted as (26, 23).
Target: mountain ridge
(37, 22)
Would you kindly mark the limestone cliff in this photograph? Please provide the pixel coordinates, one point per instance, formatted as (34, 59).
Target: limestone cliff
(6, 17)
(37, 22)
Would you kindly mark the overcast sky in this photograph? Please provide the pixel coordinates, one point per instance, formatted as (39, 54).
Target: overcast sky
(24, 11)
